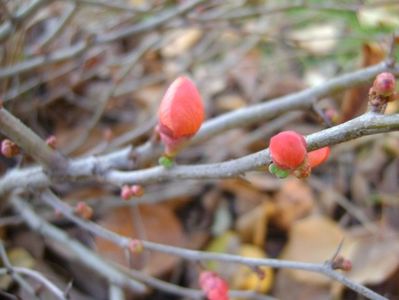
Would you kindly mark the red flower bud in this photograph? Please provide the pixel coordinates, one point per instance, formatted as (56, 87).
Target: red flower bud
(135, 246)
(319, 156)
(84, 210)
(341, 263)
(180, 114)
(51, 141)
(137, 190)
(126, 192)
(384, 84)
(9, 149)
(288, 149)
(213, 286)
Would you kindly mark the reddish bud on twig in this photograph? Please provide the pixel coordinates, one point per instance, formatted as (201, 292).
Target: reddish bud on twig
(9, 149)
(384, 84)
(382, 92)
(288, 149)
(319, 156)
(137, 190)
(51, 141)
(180, 114)
(126, 192)
(84, 210)
(341, 263)
(135, 246)
(213, 286)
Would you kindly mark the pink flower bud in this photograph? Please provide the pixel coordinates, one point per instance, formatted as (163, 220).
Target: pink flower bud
(213, 286)
(319, 156)
(9, 149)
(288, 149)
(341, 263)
(137, 190)
(135, 246)
(51, 141)
(84, 210)
(126, 192)
(180, 114)
(384, 84)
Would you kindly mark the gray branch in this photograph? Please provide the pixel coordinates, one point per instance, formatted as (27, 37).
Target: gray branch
(82, 254)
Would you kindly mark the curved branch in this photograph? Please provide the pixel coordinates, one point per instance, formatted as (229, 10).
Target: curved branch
(367, 124)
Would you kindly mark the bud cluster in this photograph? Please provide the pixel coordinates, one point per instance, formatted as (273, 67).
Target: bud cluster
(289, 155)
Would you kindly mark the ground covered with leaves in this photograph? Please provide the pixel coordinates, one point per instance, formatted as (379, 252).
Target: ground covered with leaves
(92, 74)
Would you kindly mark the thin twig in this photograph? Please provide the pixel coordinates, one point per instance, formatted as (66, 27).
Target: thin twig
(15, 275)
(43, 280)
(100, 107)
(56, 31)
(80, 47)
(195, 255)
(31, 143)
(20, 17)
(82, 254)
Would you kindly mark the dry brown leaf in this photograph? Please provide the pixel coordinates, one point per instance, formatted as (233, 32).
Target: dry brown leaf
(374, 258)
(246, 72)
(315, 240)
(229, 102)
(318, 39)
(159, 224)
(252, 226)
(294, 201)
(287, 287)
(379, 16)
(180, 41)
(247, 197)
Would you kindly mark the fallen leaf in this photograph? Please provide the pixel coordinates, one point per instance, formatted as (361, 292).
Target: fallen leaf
(158, 224)
(246, 278)
(314, 240)
(293, 202)
(318, 39)
(379, 16)
(180, 41)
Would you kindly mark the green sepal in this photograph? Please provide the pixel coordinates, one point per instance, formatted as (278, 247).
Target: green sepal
(166, 162)
(280, 173)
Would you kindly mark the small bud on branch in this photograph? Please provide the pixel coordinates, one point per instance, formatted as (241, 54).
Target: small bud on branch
(181, 114)
(84, 210)
(213, 286)
(9, 149)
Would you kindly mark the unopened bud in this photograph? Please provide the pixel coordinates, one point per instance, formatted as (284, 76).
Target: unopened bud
(126, 192)
(384, 84)
(135, 246)
(84, 210)
(9, 149)
(137, 190)
(51, 141)
(341, 263)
